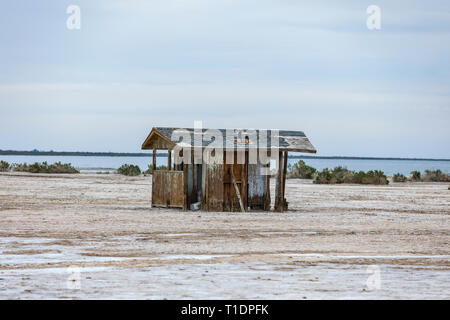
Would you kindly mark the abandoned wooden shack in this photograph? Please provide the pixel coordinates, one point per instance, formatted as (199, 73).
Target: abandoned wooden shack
(239, 182)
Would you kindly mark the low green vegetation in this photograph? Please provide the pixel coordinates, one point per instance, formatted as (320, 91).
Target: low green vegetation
(343, 175)
(133, 170)
(398, 177)
(300, 170)
(150, 169)
(44, 167)
(416, 176)
(4, 166)
(435, 176)
(129, 170)
(430, 176)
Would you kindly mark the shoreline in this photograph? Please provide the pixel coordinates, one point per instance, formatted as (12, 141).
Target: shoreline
(150, 154)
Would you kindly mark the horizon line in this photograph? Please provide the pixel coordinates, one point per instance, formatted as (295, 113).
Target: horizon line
(150, 153)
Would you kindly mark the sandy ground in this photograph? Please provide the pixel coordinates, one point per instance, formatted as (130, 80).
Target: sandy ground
(95, 236)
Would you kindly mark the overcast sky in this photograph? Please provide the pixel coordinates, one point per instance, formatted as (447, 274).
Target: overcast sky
(300, 65)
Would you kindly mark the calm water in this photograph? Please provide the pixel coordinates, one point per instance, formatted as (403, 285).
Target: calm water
(109, 163)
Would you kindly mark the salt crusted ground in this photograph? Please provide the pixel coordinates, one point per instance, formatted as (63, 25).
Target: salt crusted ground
(96, 236)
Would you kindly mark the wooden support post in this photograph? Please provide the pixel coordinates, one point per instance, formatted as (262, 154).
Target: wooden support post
(267, 200)
(169, 159)
(279, 184)
(185, 187)
(154, 160)
(194, 195)
(244, 182)
(283, 199)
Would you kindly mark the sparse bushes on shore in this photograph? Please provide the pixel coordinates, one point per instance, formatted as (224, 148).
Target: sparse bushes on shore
(430, 176)
(398, 177)
(150, 169)
(435, 176)
(343, 175)
(134, 170)
(300, 170)
(4, 166)
(416, 176)
(129, 170)
(44, 167)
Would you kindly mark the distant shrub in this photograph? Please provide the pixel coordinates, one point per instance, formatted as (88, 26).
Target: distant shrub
(4, 166)
(150, 169)
(323, 176)
(374, 177)
(416, 176)
(300, 170)
(398, 177)
(435, 176)
(44, 167)
(343, 175)
(129, 170)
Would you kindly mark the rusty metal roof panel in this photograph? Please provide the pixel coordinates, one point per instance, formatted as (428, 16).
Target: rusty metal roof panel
(288, 140)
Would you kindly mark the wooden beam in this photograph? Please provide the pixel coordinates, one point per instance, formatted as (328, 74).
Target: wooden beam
(185, 187)
(237, 191)
(283, 199)
(169, 160)
(267, 200)
(194, 194)
(244, 183)
(278, 187)
(154, 160)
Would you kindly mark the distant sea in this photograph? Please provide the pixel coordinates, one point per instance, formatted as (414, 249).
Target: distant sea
(107, 163)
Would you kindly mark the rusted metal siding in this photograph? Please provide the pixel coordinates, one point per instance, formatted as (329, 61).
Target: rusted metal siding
(257, 187)
(167, 188)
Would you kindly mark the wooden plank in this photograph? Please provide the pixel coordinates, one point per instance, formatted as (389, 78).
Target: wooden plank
(225, 196)
(169, 159)
(214, 184)
(238, 171)
(159, 188)
(230, 198)
(176, 189)
(268, 200)
(278, 187)
(185, 188)
(168, 189)
(244, 185)
(237, 191)
(154, 160)
(283, 199)
(203, 186)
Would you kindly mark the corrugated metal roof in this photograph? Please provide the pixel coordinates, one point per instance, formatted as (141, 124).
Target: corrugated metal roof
(238, 138)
